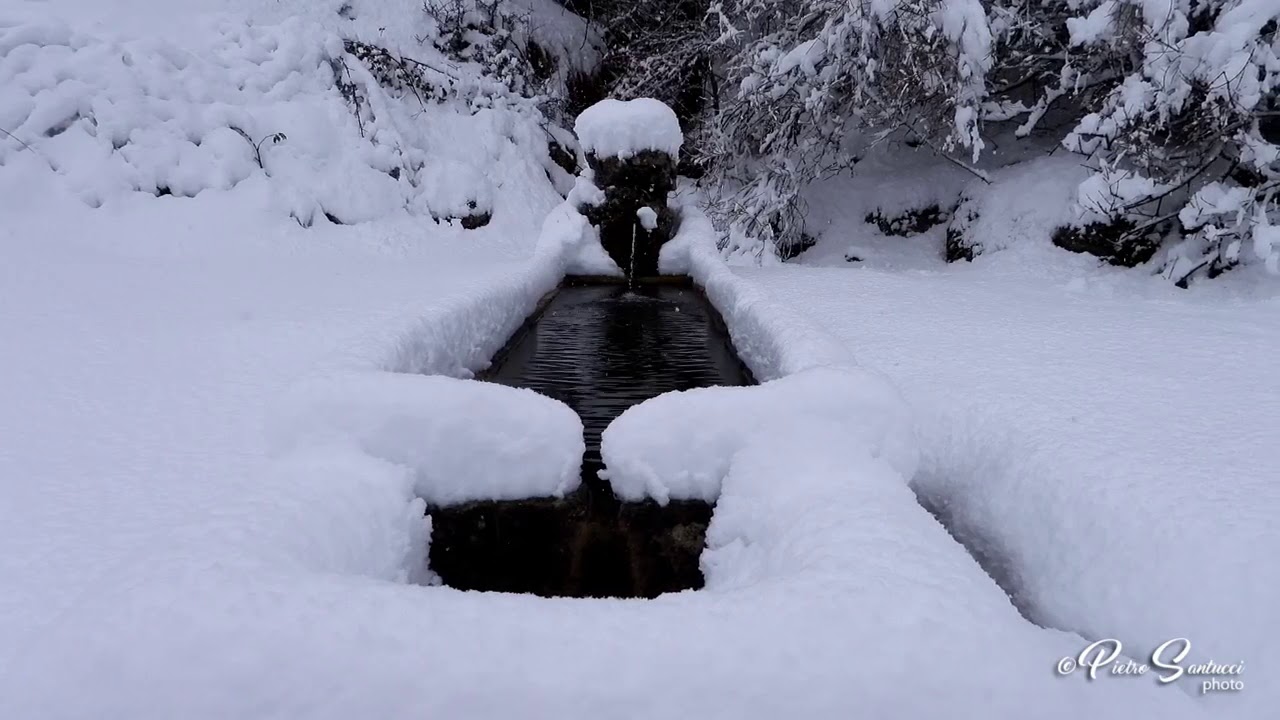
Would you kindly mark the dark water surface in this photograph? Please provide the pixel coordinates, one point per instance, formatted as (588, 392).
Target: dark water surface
(602, 348)
(599, 348)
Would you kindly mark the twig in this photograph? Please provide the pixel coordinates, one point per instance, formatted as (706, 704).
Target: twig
(33, 150)
(274, 138)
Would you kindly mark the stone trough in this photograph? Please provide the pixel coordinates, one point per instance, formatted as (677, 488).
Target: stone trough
(599, 347)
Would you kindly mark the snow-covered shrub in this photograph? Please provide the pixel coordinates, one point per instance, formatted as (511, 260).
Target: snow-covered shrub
(961, 243)
(655, 48)
(315, 126)
(1024, 203)
(393, 72)
(1105, 221)
(806, 72)
(1183, 133)
(912, 221)
(455, 191)
(1114, 240)
(1218, 221)
(1164, 100)
(494, 35)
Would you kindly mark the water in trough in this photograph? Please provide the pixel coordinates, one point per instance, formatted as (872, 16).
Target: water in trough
(599, 348)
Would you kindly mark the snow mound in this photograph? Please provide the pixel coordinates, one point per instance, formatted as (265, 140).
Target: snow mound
(827, 542)
(622, 128)
(339, 510)
(1022, 205)
(570, 237)
(456, 190)
(648, 218)
(463, 440)
(679, 445)
(281, 111)
(804, 506)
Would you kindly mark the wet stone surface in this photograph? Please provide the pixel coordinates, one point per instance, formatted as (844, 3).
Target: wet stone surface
(599, 349)
(643, 180)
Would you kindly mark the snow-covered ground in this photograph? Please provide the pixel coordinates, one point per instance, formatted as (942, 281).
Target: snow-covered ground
(161, 563)
(211, 487)
(1099, 437)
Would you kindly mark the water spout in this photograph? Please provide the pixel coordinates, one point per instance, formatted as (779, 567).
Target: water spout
(631, 274)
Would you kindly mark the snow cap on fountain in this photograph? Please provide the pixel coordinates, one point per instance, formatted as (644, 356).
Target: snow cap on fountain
(617, 128)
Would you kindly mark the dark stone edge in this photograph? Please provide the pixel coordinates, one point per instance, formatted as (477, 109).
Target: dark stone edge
(650, 280)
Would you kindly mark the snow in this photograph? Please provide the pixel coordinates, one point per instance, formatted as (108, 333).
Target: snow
(1103, 196)
(1098, 25)
(456, 190)
(889, 180)
(806, 56)
(1211, 201)
(648, 218)
(458, 336)
(220, 428)
(1024, 203)
(623, 128)
(168, 554)
(463, 440)
(1090, 433)
(571, 244)
(807, 513)
(812, 475)
(1266, 245)
(964, 22)
(770, 338)
(1106, 459)
(680, 445)
(227, 102)
(585, 192)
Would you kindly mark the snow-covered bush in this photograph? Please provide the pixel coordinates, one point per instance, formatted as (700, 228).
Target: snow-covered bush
(911, 221)
(660, 49)
(1173, 105)
(495, 36)
(806, 71)
(1186, 133)
(319, 124)
(1024, 203)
